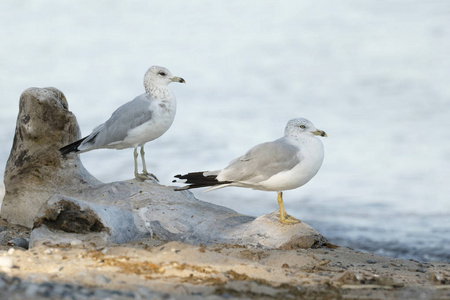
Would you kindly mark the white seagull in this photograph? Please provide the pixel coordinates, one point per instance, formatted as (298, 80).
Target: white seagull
(284, 164)
(137, 122)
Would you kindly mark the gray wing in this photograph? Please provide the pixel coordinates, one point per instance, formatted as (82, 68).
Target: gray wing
(126, 117)
(261, 162)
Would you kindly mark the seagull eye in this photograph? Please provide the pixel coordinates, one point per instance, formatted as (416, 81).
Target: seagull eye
(302, 126)
(162, 73)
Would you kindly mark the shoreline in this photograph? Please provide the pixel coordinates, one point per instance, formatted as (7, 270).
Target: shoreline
(162, 270)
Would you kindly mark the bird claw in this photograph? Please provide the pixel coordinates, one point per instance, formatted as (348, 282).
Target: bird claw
(289, 220)
(145, 176)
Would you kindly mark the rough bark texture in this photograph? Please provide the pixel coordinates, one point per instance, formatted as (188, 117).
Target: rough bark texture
(35, 170)
(66, 206)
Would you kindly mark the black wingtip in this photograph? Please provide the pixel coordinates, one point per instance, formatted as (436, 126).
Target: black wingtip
(198, 180)
(72, 147)
(67, 149)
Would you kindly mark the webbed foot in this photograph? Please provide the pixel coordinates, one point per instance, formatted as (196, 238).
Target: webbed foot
(145, 176)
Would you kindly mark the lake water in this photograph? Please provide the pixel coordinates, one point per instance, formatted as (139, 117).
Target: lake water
(374, 76)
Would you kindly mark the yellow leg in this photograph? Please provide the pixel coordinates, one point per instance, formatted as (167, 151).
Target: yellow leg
(281, 206)
(284, 217)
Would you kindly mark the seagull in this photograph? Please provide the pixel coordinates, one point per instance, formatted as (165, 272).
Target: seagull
(284, 164)
(136, 122)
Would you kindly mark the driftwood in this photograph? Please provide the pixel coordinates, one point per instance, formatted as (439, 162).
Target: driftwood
(66, 206)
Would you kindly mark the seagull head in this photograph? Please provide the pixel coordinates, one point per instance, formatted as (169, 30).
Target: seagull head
(302, 127)
(159, 77)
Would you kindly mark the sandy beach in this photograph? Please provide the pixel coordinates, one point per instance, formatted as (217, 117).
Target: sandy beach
(160, 270)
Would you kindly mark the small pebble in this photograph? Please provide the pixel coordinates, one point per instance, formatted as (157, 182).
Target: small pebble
(6, 262)
(75, 243)
(369, 261)
(421, 270)
(19, 242)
